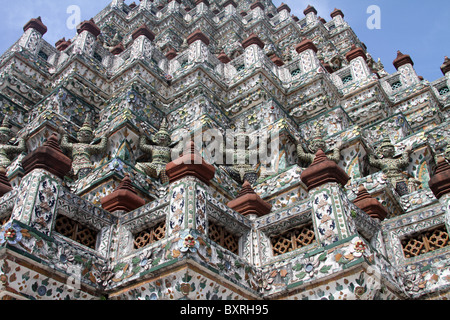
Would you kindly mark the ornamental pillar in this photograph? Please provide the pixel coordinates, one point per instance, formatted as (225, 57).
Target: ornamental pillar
(338, 17)
(284, 11)
(189, 178)
(405, 66)
(325, 181)
(257, 10)
(202, 6)
(117, 4)
(307, 51)
(142, 47)
(174, 5)
(311, 14)
(39, 189)
(440, 185)
(358, 62)
(198, 46)
(85, 42)
(33, 30)
(230, 7)
(254, 53)
(249, 204)
(145, 5)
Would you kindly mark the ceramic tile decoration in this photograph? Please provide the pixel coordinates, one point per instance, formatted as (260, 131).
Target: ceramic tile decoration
(198, 107)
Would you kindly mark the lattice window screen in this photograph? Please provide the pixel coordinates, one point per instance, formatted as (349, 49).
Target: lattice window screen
(396, 85)
(443, 91)
(150, 235)
(76, 231)
(425, 242)
(347, 79)
(293, 239)
(223, 237)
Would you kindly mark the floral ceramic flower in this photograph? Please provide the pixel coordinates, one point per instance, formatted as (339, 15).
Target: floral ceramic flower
(359, 247)
(3, 278)
(311, 265)
(116, 165)
(359, 291)
(65, 257)
(11, 234)
(146, 261)
(105, 275)
(188, 242)
(42, 290)
(264, 281)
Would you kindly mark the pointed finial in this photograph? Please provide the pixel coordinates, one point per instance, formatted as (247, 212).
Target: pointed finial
(164, 124)
(126, 184)
(445, 68)
(164, 127)
(402, 59)
(249, 202)
(246, 189)
(87, 125)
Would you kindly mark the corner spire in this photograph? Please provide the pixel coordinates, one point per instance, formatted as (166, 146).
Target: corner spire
(250, 203)
(124, 198)
(402, 59)
(322, 171)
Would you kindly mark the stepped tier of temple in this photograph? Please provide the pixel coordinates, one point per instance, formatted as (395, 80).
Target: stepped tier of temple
(113, 185)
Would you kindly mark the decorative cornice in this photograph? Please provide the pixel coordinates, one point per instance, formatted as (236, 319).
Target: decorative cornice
(37, 25)
(143, 30)
(62, 44)
(190, 164)
(229, 2)
(124, 198)
(90, 26)
(440, 181)
(250, 203)
(171, 54)
(370, 205)
(257, 4)
(445, 68)
(336, 12)
(322, 171)
(49, 157)
(309, 9)
(306, 44)
(284, 6)
(402, 59)
(206, 2)
(277, 61)
(118, 49)
(253, 39)
(223, 58)
(197, 35)
(355, 52)
(5, 186)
